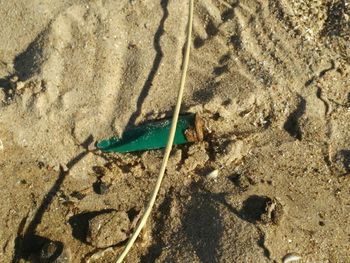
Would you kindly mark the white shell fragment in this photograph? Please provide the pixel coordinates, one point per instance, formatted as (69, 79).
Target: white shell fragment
(291, 257)
(1, 145)
(213, 175)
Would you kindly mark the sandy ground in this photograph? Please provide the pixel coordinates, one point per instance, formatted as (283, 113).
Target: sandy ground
(271, 80)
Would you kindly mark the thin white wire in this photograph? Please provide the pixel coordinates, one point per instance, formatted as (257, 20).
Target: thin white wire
(169, 145)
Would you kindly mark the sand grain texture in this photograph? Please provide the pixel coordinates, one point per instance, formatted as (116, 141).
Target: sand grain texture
(270, 79)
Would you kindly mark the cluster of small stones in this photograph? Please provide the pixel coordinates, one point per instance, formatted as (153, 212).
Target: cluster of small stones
(309, 17)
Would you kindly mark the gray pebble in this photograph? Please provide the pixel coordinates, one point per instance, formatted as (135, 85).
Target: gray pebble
(342, 161)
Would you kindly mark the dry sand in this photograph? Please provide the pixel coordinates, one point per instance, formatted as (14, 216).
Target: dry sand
(271, 80)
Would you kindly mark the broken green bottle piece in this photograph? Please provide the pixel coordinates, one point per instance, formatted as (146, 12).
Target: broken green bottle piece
(152, 135)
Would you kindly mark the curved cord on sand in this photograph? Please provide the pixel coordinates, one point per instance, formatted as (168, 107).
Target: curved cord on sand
(169, 145)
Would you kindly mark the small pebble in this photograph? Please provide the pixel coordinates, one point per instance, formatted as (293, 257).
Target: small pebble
(23, 181)
(20, 85)
(56, 168)
(100, 188)
(273, 212)
(65, 168)
(77, 195)
(108, 229)
(213, 175)
(342, 161)
(40, 164)
(54, 252)
(290, 257)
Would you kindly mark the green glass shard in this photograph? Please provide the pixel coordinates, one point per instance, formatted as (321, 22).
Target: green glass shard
(152, 135)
